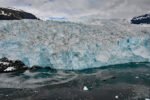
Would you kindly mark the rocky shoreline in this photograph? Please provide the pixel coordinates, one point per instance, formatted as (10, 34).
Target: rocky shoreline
(7, 66)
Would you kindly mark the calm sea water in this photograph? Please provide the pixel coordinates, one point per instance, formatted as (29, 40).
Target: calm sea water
(119, 82)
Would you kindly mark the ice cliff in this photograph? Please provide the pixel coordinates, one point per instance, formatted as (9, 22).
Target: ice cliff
(68, 45)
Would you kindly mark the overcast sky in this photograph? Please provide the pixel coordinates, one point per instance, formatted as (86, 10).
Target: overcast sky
(81, 8)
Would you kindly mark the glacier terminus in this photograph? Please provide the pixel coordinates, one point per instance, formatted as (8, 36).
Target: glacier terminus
(74, 46)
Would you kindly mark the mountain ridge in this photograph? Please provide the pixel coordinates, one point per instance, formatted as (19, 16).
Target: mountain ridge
(142, 19)
(13, 14)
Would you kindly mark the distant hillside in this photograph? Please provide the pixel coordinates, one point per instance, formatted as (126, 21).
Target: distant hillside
(143, 19)
(11, 14)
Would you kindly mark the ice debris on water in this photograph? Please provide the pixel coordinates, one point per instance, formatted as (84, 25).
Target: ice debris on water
(85, 88)
(147, 98)
(116, 97)
(137, 77)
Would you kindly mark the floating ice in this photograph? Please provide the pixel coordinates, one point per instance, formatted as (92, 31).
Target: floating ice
(147, 99)
(85, 88)
(68, 45)
(137, 77)
(116, 97)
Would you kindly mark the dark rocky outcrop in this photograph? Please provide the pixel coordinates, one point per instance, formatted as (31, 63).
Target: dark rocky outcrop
(7, 66)
(143, 19)
(11, 66)
(10, 14)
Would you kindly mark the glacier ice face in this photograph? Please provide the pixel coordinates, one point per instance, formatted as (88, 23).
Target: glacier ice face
(68, 45)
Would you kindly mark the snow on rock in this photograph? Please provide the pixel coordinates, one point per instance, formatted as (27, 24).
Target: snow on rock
(68, 45)
(14, 14)
(4, 63)
(7, 65)
(9, 69)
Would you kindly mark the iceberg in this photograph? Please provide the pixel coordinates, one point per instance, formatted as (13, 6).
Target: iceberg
(74, 46)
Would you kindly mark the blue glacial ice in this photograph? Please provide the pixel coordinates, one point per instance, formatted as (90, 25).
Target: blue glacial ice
(69, 45)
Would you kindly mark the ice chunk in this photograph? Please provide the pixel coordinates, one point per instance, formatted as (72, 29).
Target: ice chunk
(85, 88)
(116, 97)
(147, 99)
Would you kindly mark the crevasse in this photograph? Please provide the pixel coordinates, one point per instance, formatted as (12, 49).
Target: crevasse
(68, 45)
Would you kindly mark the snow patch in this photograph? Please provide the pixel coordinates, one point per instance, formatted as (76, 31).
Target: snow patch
(4, 63)
(9, 69)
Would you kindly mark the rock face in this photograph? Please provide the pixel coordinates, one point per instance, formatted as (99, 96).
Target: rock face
(143, 19)
(10, 14)
(11, 66)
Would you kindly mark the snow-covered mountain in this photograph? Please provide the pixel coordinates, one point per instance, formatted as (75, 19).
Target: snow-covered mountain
(68, 45)
(143, 19)
(13, 14)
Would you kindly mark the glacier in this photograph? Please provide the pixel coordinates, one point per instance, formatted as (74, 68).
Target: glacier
(74, 45)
